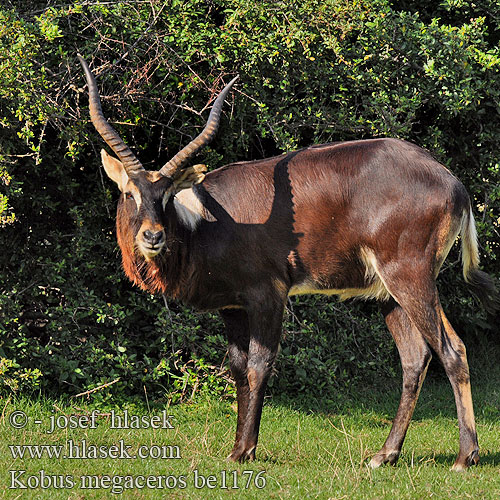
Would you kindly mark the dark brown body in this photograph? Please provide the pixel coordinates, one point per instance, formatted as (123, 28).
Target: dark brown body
(303, 220)
(307, 220)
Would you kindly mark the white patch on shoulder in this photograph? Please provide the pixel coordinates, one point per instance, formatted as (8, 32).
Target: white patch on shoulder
(375, 290)
(189, 208)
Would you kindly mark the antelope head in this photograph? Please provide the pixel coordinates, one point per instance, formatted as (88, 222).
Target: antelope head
(145, 194)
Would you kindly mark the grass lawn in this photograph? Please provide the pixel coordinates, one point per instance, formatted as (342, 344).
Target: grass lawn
(307, 450)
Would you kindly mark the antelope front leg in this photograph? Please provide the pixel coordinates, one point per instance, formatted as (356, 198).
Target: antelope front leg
(265, 331)
(236, 322)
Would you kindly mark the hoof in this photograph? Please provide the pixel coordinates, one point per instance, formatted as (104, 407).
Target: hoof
(239, 455)
(384, 458)
(462, 465)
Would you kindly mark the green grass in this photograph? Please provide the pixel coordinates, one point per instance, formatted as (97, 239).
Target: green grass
(308, 449)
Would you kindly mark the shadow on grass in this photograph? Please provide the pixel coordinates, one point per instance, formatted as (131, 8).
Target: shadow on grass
(382, 397)
(485, 458)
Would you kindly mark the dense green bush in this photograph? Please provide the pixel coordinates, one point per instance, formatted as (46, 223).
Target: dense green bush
(311, 71)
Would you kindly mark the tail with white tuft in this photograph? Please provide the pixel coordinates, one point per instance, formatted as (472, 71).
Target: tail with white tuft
(481, 283)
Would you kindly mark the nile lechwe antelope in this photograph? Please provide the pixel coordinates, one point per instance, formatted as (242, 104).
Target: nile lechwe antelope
(369, 218)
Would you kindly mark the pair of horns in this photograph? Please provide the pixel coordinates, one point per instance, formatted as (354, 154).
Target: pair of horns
(129, 160)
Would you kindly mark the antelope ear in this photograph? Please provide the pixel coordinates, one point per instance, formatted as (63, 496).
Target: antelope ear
(189, 176)
(114, 170)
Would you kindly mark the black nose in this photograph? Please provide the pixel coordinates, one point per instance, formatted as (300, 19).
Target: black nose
(153, 238)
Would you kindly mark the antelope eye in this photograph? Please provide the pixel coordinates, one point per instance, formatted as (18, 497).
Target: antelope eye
(129, 196)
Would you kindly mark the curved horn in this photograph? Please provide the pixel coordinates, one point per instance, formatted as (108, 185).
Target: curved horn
(170, 168)
(130, 163)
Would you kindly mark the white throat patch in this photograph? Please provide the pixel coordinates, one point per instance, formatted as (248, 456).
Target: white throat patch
(189, 208)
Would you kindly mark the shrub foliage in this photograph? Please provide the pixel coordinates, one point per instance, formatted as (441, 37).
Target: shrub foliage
(311, 71)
